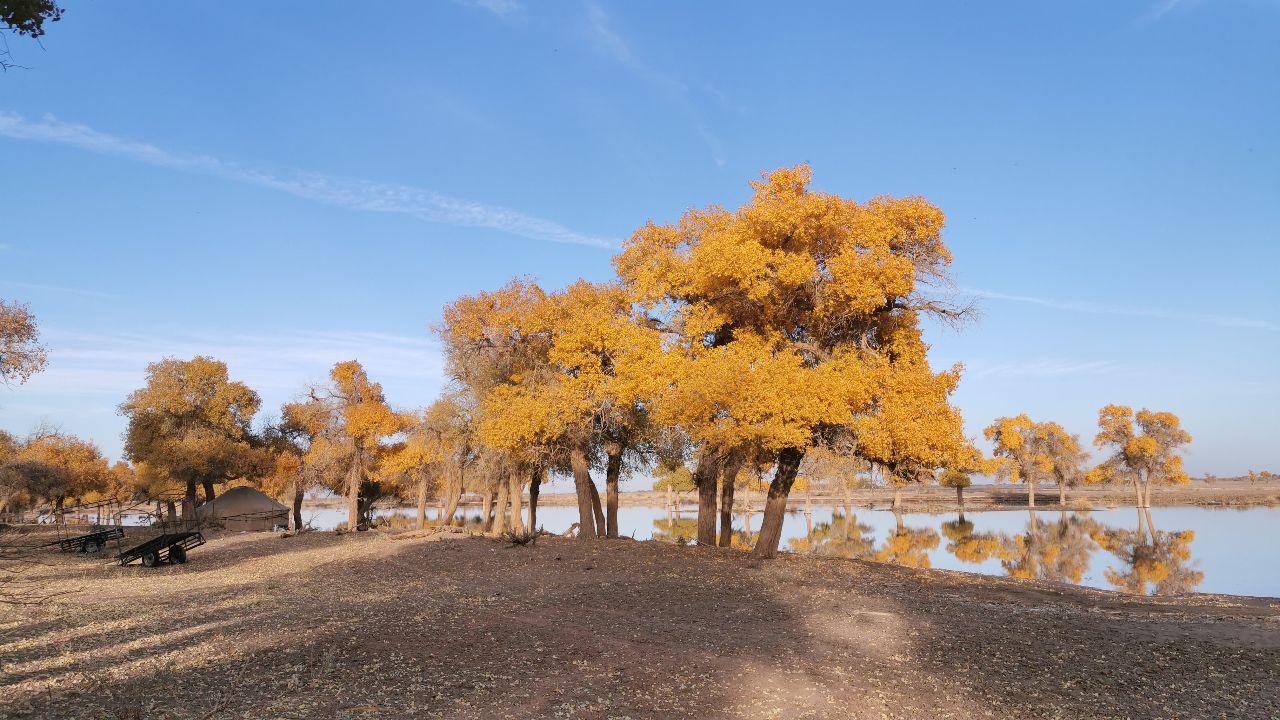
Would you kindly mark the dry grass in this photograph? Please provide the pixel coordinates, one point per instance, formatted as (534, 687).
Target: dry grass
(431, 625)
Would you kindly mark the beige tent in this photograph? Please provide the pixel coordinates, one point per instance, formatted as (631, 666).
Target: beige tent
(243, 508)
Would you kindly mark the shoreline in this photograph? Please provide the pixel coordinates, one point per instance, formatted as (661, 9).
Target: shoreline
(933, 499)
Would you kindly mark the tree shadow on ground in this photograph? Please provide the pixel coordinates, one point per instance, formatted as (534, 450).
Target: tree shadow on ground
(476, 629)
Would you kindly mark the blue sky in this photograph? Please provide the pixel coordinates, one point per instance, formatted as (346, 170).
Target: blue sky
(299, 186)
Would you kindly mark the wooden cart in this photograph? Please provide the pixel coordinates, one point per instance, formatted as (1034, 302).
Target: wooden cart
(169, 547)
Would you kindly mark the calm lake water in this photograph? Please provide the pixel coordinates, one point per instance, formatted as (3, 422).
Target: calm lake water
(1173, 550)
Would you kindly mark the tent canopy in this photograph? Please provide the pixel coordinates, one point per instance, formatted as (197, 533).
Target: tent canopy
(246, 508)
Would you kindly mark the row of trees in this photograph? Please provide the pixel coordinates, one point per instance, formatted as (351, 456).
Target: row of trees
(729, 340)
(778, 343)
(1143, 450)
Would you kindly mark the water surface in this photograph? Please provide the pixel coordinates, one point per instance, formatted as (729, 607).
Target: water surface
(1167, 550)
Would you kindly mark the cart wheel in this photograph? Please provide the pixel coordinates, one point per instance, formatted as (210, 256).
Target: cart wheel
(91, 547)
(177, 554)
(151, 559)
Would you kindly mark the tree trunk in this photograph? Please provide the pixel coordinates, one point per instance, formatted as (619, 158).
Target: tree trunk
(355, 477)
(453, 497)
(535, 483)
(500, 509)
(960, 498)
(1031, 493)
(728, 478)
(422, 500)
(297, 506)
(1147, 499)
(848, 496)
(1137, 491)
(486, 501)
(775, 508)
(704, 476)
(173, 511)
(897, 498)
(583, 486)
(208, 490)
(597, 510)
(189, 504)
(612, 471)
(1062, 494)
(515, 494)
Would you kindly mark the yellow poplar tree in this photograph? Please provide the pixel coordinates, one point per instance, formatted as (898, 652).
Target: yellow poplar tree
(1018, 448)
(606, 367)
(1145, 449)
(192, 423)
(57, 467)
(348, 420)
(21, 354)
(1065, 457)
(777, 316)
(497, 347)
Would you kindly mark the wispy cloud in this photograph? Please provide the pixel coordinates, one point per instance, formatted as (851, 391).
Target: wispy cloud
(612, 43)
(89, 374)
(1036, 368)
(89, 364)
(1157, 11)
(1105, 309)
(350, 193)
(605, 36)
(504, 9)
(59, 289)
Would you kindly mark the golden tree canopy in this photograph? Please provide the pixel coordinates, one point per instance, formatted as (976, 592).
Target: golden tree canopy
(1145, 446)
(191, 421)
(785, 318)
(21, 354)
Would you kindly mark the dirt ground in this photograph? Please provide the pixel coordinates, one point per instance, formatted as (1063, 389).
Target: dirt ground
(401, 626)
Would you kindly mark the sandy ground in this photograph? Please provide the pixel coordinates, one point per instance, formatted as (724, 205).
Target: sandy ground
(385, 626)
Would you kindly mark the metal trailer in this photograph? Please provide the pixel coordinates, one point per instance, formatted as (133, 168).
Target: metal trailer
(89, 542)
(169, 547)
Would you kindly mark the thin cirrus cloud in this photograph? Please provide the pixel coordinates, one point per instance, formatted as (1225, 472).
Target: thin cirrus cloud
(502, 8)
(1131, 311)
(59, 289)
(1036, 368)
(609, 41)
(350, 193)
(90, 374)
(112, 365)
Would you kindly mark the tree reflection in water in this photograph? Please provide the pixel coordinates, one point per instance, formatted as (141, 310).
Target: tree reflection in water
(1058, 551)
(1152, 561)
(907, 546)
(843, 536)
(1155, 562)
(677, 530)
(969, 546)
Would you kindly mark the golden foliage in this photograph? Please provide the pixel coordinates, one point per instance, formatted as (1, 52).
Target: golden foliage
(797, 315)
(192, 422)
(1145, 447)
(21, 354)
